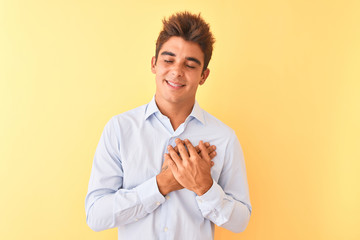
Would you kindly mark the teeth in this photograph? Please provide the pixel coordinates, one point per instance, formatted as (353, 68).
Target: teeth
(173, 84)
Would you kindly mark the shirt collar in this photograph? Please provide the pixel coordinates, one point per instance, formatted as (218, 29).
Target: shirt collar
(151, 108)
(196, 112)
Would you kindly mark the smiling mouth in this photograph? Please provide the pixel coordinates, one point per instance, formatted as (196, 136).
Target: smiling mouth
(174, 85)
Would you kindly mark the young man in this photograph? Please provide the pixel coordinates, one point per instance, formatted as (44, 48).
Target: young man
(149, 179)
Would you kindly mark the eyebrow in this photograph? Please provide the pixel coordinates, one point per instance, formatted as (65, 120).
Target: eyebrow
(188, 58)
(194, 60)
(168, 53)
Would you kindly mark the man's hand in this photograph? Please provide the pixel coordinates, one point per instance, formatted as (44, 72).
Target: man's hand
(211, 150)
(166, 180)
(190, 169)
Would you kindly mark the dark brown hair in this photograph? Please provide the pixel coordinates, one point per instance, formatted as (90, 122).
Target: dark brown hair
(190, 27)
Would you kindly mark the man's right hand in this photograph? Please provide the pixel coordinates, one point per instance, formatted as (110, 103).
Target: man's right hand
(166, 180)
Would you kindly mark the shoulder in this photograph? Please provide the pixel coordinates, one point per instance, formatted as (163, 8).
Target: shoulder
(133, 114)
(128, 119)
(216, 124)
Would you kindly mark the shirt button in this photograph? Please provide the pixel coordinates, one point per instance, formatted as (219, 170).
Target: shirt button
(167, 197)
(165, 229)
(200, 200)
(136, 219)
(158, 203)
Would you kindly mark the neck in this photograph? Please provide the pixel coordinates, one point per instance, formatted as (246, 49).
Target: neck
(176, 112)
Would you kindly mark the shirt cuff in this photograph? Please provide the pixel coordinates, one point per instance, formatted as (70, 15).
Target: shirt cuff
(211, 199)
(149, 195)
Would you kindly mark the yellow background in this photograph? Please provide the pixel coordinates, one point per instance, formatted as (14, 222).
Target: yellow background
(284, 75)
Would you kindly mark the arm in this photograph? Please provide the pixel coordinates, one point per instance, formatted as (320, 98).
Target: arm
(225, 203)
(107, 204)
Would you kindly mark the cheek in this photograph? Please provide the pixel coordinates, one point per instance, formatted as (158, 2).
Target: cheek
(196, 77)
(161, 67)
(160, 75)
(160, 72)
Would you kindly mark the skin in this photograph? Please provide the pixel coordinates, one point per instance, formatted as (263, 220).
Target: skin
(190, 169)
(178, 73)
(176, 62)
(166, 180)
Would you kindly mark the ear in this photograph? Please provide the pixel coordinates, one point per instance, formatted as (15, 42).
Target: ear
(153, 65)
(204, 76)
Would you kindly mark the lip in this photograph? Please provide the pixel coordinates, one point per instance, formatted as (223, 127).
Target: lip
(174, 85)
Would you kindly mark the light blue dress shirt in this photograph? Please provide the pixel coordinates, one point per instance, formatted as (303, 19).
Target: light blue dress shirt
(123, 192)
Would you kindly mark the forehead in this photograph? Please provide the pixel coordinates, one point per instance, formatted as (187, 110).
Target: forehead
(182, 48)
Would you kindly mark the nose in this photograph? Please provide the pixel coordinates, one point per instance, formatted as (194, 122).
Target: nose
(176, 71)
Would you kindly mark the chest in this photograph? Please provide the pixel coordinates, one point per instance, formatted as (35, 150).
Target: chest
(142, 152)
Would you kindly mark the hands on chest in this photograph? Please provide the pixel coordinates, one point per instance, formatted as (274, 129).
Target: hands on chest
(186, 166)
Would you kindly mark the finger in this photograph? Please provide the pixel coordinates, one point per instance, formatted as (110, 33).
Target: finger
(170, 161)
(208, 146)
(167, 161)
(212, 155)
(176, 149)
(182, 150)
(191, 148)
(174, 156)
(211, 148)
(204, 152)
(174, 169)
(197, 149)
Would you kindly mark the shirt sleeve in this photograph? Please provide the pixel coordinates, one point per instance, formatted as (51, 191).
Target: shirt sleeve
(107, 204)
(227, 203)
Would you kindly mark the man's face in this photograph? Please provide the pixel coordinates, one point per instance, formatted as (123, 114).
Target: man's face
(178, 71)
